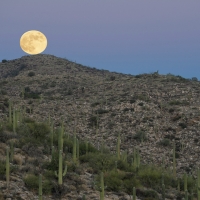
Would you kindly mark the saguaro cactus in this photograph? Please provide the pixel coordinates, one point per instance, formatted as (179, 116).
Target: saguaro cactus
(86, 147)
(198, 183)
(51, 136)
(14, 121)
(174, 160)
(7, 168)
(12, 151)
(138, 159)
(118, 147)
(74, 148)
(40, 187)
(185, 182)
(163, 191)
(134, 193)
(77, 150)
(10, 113)
(60, 174)
(102, 187)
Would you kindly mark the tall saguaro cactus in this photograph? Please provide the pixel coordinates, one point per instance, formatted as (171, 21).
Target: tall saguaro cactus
(60, 174)
(118, 147)
(102, 187)
(198, 183)
(74, 148)
(40, 187)
(174, 160)
(51, 136)
(185, 182)
(10, 113)
(14, 123)
(7, 168)
(12, 151)
(134, 193)
(77, 150)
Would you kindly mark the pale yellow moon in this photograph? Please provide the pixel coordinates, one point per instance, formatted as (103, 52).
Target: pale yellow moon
(33, 42)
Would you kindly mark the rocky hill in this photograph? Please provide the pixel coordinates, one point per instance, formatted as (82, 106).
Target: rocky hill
(150, 111)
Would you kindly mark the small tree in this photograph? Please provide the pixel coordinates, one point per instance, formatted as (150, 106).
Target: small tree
(4, 60)
(194, 79)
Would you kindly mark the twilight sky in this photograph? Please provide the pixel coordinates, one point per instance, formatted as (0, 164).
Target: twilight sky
(127, 36)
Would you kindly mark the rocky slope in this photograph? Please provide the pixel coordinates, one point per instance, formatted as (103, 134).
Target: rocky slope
(161, 106)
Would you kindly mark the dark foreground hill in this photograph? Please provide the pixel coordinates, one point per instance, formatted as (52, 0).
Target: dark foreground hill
(149, 111)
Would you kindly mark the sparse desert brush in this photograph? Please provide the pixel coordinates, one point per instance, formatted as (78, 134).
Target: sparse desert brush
(17, 159)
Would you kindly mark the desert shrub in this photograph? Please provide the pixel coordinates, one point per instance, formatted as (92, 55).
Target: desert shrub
(101, 111)
(112, 78)
(175, 118)
(183, 125)
(3, 169)
(38, 130)
(95, 161)
(126, 109)
(95, 104)
(165, 142)
(29, 120)
(150, 194)
(69, 92)
(5, 135)
(31, 181)
(129, 183)
(53, 84)
(138, 76)
(32, 95)
(31, 74)
(140, 135)
(2, 107)
(141, 104)
(171, 110)
(82, 148)
(3, 92)
(27, 89)
(22, 66)
(54, 164)
(4, 61)
(110, 124)
(194, 79)
(122, 165)
(132, 101)
(112, 181)
(93, 121)
(174, 102)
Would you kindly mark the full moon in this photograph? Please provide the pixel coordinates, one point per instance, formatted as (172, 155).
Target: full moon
(33, 42)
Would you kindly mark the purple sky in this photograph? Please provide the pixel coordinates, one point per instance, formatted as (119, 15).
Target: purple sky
(127, 36)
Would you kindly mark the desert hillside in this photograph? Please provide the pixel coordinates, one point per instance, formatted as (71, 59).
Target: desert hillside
(148, 111)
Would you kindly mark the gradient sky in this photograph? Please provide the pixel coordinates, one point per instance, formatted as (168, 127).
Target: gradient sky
(127, 36)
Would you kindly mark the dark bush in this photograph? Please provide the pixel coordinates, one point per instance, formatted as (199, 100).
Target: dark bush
(112, 78)
(194, 79)
(126, 109)
(69, 92)
(27, 89)
(165, 142)
(93, 121)
(95, 104)
(31, 74)
(101, 111)
(183, 125)
(4, 61)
